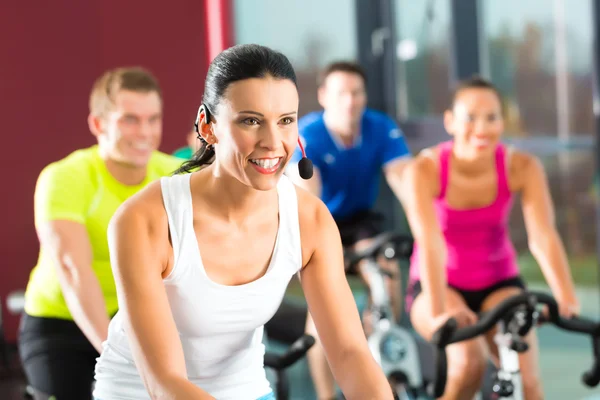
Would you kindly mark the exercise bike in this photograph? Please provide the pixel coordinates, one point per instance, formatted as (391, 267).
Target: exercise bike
(515, 317)
(399, 353)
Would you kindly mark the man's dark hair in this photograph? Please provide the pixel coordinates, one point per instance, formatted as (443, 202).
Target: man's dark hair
(342, 66)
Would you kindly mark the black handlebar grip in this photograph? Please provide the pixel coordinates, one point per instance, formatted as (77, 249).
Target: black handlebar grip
(272, 361)
(438, 386)
(440, 340)
(297, 350)
(591, 378)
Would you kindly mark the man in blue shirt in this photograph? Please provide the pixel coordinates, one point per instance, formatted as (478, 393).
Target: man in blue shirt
(349, 146)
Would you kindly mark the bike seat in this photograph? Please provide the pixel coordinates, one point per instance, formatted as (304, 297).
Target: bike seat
(287, 325)
(402, 244)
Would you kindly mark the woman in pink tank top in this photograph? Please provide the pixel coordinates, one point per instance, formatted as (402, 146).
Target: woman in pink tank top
(458, 199)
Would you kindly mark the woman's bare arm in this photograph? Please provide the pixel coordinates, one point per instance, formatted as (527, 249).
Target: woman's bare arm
(419, 195)
(333, 308)
(544, 241)
(139, 250)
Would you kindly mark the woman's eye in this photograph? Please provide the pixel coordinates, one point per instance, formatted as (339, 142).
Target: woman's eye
(287, 120)
(250, 121)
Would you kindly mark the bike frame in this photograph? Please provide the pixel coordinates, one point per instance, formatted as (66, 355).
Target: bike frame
(405, 362)
(379, 293)
(509, 339)
(510, 370)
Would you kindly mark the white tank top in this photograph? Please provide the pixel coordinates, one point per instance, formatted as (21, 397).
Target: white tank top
(220, 327)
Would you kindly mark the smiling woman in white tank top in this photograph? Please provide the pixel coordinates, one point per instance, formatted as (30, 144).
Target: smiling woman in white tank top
(202, 259)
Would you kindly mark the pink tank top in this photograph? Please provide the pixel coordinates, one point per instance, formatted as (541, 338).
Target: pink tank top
(480, 252)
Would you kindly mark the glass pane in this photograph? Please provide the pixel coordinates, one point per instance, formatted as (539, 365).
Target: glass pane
(423, 46)
(309, 39)
(534, 56)
(539, 54)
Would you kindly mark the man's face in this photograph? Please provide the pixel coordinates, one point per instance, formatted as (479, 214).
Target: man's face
(343, 96)
(132, 129)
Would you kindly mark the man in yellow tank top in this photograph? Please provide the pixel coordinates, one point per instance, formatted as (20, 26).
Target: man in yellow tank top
(71, 293)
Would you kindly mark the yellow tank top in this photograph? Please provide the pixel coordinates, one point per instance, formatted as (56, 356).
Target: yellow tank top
(79, 188)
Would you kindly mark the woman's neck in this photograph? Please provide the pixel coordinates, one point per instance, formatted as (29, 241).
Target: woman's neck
(230, 199)
(472, 164)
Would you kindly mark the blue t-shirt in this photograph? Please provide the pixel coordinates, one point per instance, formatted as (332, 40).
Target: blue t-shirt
(350, 175)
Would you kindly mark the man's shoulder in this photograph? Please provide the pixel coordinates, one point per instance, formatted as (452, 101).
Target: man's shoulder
(379, 118)
(382, 126)
(163, 163)
(311, 122)
(77, 163)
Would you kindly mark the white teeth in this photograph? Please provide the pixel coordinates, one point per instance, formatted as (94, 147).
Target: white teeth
(266, 163)
(481, 141)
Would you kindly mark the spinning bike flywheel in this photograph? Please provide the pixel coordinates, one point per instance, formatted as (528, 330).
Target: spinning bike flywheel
(393, 348)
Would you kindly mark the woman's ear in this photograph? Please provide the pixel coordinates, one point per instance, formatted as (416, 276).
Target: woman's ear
(205, 129)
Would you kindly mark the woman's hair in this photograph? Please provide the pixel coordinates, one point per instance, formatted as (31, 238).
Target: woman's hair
(244, 61)
(475, 82)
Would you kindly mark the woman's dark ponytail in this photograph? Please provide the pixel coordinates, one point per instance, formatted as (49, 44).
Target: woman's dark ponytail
(205, 154)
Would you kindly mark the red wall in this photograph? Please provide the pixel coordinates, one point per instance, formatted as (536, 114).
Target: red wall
(50, 54)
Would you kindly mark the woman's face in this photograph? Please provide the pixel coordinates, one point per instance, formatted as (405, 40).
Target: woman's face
(475, 121)
(256, 130)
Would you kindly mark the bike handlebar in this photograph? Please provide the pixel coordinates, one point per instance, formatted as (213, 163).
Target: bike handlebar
(449, 333)
(403, 244)
(295, 352)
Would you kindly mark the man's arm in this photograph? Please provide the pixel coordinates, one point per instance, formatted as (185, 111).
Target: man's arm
(393, 172)
(396, 156)
(68, 245)
(62, 197)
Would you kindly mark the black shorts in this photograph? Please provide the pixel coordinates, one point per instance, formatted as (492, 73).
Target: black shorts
(57, 358)
(473, 298)
(359, 226)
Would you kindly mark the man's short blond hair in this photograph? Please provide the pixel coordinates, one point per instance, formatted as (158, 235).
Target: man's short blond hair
(106, 87)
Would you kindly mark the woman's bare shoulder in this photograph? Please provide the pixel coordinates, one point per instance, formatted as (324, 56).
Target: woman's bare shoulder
(520, 159)
(423, 169)
(314, 218)
(145, 210)
(424, 162)
(521, 164)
